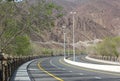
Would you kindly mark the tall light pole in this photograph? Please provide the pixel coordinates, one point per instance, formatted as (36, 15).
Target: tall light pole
(73, 13)
(68, 46)
(64, 40)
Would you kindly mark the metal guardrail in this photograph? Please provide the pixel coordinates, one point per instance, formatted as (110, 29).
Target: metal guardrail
(107, 58)
(9, 64)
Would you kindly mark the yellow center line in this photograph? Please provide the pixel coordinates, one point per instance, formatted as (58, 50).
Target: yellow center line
(77, 67)
(41, 68)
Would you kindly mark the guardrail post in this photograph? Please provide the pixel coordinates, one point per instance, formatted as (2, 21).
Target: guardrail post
(4, 72)
(10, 66)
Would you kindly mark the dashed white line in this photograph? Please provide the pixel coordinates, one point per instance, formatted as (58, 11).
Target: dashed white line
(33, 69)
(81, 73)
(53, 64)
(63, 69)
(97, 77)
(56, 65)
(59, 68)
(70, 71)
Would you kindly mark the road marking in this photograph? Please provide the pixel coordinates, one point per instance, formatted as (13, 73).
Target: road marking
(53, 64)
(81, 73)
(98, 77)
(57, 78)
(63, 69)
(86, 69)
(56, 71)
(60, 68)
(56, 65)
(32, 69)
(70, 71)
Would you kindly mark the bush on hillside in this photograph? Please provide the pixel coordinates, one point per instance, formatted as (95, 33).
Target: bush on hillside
(109, 47)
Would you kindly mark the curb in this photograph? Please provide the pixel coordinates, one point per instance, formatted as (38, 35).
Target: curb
(109, 68)
(21, 72)
(102, 61)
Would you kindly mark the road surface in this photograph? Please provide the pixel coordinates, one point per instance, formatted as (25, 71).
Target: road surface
(55, 69)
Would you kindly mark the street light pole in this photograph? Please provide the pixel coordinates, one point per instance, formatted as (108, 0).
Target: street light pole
(68, 46)
(73, 13)
(64, 41)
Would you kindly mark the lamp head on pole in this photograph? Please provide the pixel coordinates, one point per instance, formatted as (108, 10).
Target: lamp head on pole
(73, 12)
(63, 27)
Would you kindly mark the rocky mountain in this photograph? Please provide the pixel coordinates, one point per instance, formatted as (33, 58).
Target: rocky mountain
(94, 19)
(103, 12)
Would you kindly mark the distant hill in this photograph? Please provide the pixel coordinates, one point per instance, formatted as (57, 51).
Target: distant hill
(95, 19)
(104, 12)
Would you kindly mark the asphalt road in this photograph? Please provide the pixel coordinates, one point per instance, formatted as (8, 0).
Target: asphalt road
(55, 69)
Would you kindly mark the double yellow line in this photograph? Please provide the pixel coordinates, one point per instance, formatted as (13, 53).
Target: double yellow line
(41, 68)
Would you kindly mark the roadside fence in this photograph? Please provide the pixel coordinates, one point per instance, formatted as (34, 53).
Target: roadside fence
(8, 64)
(107, 58)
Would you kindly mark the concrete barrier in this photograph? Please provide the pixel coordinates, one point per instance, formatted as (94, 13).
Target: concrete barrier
(110, 68)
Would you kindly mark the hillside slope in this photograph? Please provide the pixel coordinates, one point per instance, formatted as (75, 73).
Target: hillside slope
(95, 19)
(103, 12)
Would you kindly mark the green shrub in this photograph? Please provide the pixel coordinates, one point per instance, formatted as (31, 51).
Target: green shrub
(20, 46)
(47, 51)
(109, 47)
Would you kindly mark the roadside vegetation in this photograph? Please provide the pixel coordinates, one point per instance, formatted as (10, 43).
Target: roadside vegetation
(108, 49)
(18, 20)
(41, 50)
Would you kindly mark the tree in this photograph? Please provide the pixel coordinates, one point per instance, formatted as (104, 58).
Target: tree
(42, 15)
(19, 19)
(109, 47)
(22, 45)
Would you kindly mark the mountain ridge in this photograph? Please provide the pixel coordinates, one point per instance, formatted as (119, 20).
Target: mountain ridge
(95, 19)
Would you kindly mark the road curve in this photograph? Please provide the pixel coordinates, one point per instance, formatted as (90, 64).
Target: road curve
(55, 69)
